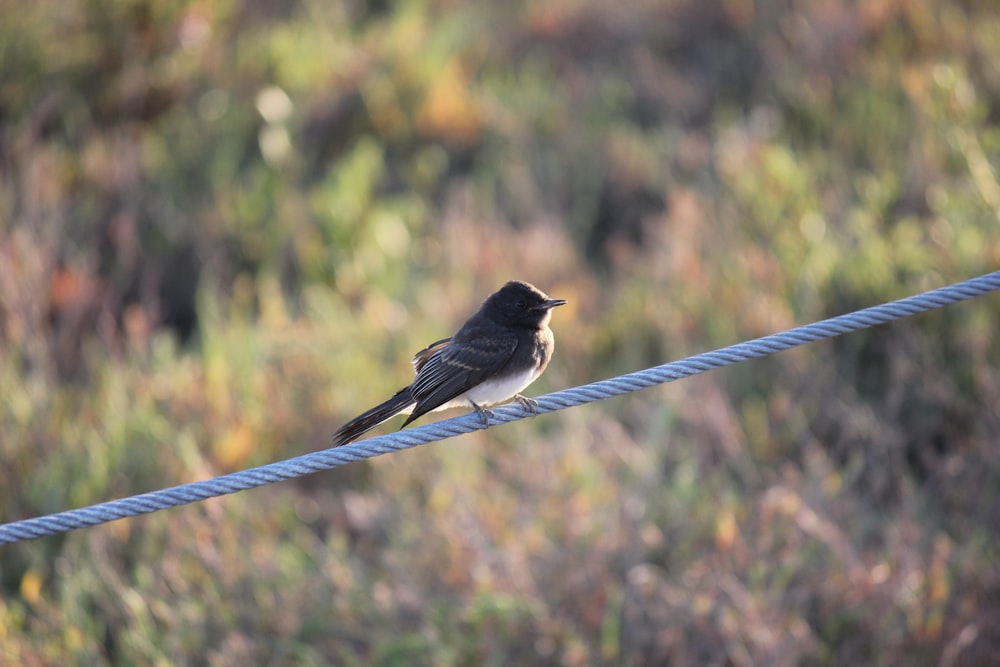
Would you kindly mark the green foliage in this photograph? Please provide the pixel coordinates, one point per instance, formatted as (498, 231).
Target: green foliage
(224, 227)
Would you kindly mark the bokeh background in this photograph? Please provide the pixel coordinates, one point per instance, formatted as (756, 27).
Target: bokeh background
(225, 227)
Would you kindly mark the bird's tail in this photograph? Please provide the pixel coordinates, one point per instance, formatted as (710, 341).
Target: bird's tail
(365, 422)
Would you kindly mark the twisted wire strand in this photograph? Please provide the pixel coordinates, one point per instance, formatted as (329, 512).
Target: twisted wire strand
(330, 458)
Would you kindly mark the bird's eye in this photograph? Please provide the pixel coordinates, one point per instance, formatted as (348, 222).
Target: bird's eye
(521, 304)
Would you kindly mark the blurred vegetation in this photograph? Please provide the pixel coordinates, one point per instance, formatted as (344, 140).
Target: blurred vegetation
(224, 227)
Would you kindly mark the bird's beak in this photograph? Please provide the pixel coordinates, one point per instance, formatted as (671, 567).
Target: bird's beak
(551, 303)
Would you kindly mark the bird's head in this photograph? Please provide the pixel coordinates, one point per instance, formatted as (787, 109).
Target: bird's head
(520, 304)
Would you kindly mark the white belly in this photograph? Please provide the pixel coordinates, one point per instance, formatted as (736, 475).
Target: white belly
(492, 392)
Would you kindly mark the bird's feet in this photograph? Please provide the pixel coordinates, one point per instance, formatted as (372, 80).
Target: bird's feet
(528, 403)
(484, 414)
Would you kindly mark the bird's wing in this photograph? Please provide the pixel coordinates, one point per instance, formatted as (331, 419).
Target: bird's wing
(454, 368)
(421, 358)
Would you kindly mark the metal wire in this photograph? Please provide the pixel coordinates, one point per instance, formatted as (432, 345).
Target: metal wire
(324, 460)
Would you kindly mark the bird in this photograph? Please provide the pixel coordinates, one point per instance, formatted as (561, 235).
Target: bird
(501, 349)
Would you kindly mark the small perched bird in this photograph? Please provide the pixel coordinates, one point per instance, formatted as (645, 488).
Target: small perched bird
(499, 351)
